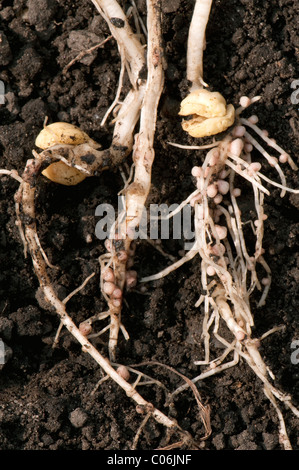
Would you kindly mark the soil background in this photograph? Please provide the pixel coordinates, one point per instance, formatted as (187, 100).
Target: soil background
(45, 393)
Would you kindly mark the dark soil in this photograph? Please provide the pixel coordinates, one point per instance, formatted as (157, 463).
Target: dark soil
(45, 393)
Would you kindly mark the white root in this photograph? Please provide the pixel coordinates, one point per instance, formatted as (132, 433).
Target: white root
(12, 173)
(190, 255)
(270, 142)
(118, 91)
(27, 194)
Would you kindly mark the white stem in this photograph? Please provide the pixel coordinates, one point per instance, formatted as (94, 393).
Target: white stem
(127, 119)
(123, 34)
(143, 157)
(143, 152)
(133, 60)
(196, 43)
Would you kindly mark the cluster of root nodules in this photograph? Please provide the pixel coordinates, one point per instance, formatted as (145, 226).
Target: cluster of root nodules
(231, 270)
(230, 273)
(115, 278)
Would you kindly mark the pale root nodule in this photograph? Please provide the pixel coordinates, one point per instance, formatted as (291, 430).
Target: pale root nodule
(210, 114)
(66, 134)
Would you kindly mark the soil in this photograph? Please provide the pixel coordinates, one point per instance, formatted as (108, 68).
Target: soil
(46, 399)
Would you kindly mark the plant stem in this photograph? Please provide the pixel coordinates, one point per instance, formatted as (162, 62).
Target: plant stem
(196, 43)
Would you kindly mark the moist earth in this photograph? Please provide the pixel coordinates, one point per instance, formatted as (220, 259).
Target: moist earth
(48, 396)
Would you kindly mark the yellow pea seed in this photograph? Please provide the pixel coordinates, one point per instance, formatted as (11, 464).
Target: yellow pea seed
(60, 173)
(203, 103)
(201, 127)
(210, 115)
(65, 134)
(62, 133)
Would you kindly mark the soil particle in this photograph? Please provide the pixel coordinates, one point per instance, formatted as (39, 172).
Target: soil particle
(5, 52)
(80, 41)
(39, 15)
(78, 418)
